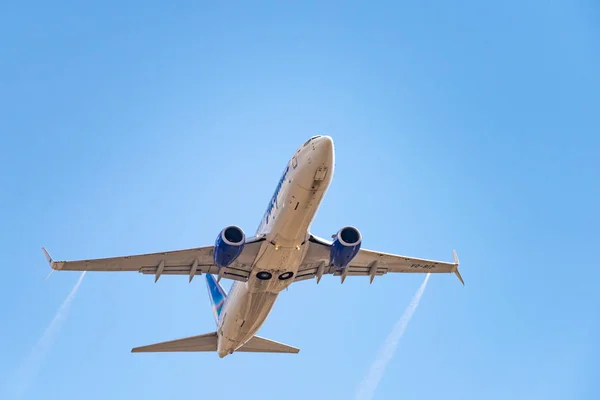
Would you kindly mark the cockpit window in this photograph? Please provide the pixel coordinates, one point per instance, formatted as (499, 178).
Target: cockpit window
(309, 140)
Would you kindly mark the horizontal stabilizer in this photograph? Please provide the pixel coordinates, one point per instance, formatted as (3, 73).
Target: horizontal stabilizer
(258, 344)
(207, 342)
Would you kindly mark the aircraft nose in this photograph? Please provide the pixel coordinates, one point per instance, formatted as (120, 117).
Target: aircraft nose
(324, 145)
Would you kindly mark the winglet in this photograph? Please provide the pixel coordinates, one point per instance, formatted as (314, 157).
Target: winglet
(456, 262)
(50, 262)
(48, 257)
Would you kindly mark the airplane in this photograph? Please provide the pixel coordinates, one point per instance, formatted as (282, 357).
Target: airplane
(282, 251)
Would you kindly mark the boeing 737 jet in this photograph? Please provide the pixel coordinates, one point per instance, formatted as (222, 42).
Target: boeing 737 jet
(282, 251)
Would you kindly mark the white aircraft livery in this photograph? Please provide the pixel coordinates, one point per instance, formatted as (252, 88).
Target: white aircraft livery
(281, 252)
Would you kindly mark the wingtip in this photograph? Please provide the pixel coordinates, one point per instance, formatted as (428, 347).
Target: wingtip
(48, 256)
(139, 349)
(459, 277)
(54, 265)
(50, 262)
(457, 263)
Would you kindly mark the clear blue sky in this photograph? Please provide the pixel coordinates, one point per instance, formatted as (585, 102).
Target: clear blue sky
(131, 127)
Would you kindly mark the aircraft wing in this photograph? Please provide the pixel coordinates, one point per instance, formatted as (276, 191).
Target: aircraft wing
(367, 263)
(194, 261)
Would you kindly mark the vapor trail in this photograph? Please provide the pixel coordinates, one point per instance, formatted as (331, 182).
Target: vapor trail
(369, 384)
(30, 366)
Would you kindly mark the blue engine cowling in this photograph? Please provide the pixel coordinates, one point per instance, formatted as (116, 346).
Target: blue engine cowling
(345, 246)
(229, 245)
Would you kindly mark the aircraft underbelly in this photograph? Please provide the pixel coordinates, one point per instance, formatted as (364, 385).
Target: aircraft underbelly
(285, 228)
(295, 213)
(247, 316)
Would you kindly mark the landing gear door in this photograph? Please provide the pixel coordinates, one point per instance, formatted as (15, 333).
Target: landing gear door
(321, 173)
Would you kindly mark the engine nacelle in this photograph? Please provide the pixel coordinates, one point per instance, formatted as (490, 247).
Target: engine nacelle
(229, 245)
(345, 246)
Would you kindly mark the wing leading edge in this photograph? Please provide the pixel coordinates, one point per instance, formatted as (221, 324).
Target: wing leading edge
(191, 262)
(368, 263)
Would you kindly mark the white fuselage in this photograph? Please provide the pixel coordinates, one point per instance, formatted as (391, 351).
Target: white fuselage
(285, 226)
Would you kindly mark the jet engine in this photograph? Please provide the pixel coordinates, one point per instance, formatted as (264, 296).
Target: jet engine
(345, 246)
(229, 245)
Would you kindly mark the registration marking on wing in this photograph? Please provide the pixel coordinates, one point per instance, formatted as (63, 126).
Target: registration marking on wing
(422, 266)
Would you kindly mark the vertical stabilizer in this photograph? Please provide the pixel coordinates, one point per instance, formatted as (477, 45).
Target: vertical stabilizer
(217, 295)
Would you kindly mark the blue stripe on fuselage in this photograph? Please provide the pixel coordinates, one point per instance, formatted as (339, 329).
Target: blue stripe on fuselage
(273, 201)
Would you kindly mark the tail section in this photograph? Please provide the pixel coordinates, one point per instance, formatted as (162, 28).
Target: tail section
(209, 342)
(217, 296)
